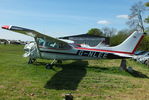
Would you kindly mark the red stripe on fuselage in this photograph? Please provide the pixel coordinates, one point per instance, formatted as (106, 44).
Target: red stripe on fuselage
(109, 51)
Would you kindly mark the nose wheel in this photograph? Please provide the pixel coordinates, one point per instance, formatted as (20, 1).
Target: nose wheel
(31, 61)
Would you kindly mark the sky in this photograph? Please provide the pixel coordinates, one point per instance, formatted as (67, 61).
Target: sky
(63, 17)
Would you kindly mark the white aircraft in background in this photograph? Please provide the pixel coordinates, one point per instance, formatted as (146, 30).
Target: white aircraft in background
(47, 47)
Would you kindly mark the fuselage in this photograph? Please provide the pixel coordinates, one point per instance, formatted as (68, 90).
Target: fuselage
(72, 52)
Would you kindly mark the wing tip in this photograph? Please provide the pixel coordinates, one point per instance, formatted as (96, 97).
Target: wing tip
(5, 27)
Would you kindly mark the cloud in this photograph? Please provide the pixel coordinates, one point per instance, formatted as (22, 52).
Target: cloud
(103, 22)
(122, 16)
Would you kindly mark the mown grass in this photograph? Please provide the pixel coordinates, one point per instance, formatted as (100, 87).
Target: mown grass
(86, 80)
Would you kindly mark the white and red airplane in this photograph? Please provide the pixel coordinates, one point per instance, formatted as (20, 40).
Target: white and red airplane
(47, 47)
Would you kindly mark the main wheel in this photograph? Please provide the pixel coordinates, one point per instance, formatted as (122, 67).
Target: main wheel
(147, 62)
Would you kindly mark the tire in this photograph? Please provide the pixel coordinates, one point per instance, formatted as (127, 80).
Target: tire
(147, 62)
(30, 61)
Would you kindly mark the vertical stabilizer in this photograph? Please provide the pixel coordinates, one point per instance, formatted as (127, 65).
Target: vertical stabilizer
(129, 45)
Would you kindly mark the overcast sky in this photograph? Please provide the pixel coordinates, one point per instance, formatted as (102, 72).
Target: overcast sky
(63, 17)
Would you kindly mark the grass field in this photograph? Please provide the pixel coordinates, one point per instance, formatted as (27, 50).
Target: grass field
(86, 80)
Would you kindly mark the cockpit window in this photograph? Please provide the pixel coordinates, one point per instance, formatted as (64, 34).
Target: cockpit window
(52, 44)
(57, 45)
(40, 41)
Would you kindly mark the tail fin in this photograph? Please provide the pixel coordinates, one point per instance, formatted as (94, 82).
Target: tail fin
(130, 44)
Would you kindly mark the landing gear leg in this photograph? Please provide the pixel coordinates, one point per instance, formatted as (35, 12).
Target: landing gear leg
(50, 66)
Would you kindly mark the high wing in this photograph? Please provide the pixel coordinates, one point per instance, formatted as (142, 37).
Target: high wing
(32, 33)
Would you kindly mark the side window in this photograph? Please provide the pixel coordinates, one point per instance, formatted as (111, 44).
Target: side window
(56, 45)
(50, 44)
(64, 46)
(40, 41)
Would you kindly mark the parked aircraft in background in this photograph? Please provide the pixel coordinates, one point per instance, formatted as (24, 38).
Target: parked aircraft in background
(47, 47)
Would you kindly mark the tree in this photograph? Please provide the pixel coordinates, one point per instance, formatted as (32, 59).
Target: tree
(147, 30)
(108, 32)
(135, 17)
(144, 44)
(147, 19)
(95, 31)
(147, 4)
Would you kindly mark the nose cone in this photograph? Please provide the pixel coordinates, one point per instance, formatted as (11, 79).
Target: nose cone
(5, 27)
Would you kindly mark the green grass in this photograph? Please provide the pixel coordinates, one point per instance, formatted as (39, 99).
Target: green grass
(86, 80)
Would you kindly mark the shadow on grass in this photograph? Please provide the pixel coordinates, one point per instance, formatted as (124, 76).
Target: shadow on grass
(108, 70)
(137, 74)
(116, 70)
(69, 77)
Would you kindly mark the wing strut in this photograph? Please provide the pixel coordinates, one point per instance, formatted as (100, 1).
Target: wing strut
(37, 47)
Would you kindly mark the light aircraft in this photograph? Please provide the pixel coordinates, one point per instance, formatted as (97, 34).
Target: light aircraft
(47, 47)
